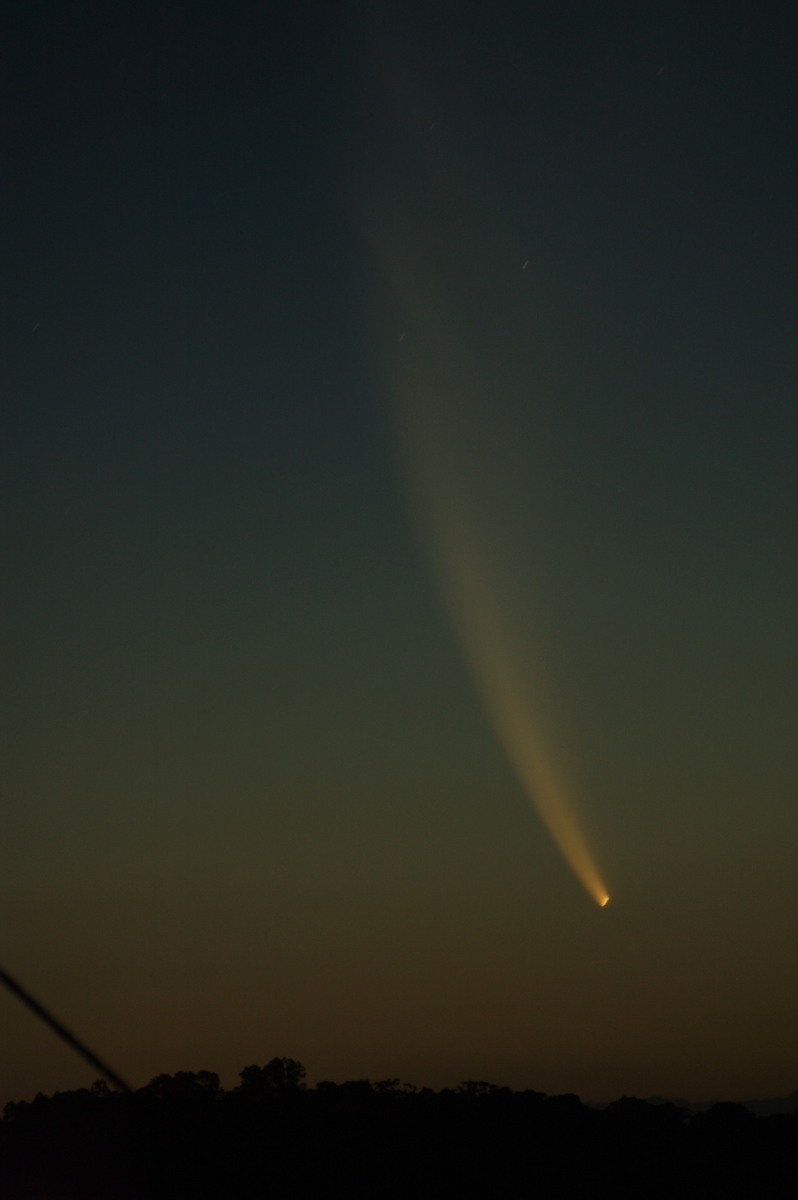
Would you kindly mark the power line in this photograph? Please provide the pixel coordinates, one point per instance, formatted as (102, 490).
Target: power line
(80, 1047)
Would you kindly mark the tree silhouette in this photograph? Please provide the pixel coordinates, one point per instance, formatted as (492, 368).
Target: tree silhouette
(279, 1075)
(182, 1136)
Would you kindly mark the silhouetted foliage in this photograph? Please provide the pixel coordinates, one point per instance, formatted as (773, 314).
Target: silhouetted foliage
(279, 1075)
(183, 1135)
(186, 1087)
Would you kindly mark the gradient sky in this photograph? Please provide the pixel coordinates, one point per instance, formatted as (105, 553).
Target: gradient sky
(253, 800)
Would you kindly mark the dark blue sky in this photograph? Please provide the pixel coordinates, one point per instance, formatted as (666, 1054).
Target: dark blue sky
(255, 803)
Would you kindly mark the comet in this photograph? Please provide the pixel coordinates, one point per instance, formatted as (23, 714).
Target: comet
(425, 213)
(434, 383)
(470, 586)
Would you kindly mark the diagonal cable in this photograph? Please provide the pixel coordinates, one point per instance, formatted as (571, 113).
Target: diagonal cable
(80, 1047)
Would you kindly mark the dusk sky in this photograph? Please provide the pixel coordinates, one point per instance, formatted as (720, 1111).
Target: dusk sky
(399, 429)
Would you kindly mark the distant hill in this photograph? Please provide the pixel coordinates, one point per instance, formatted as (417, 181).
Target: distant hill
(772, 1108)
(760, 1108)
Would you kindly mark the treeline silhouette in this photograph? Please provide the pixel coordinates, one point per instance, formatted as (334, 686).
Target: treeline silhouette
(183, 1135)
